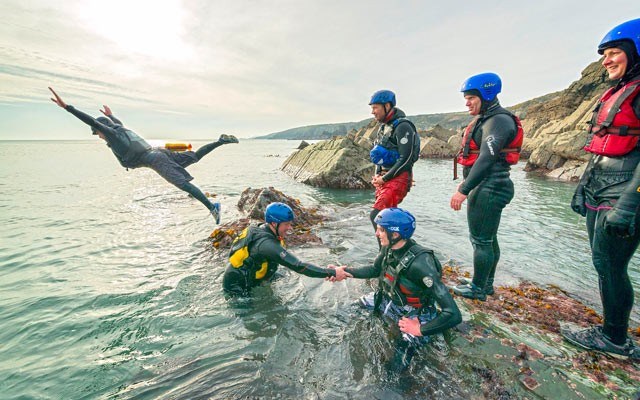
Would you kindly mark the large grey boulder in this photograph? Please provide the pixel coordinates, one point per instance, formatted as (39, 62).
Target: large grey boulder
(439, 142)
(432, 147)
(335, 163)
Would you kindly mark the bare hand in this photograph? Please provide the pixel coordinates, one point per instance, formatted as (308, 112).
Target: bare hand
(410, 326)
(341, 274)
(57, 99)
(107, 111)
(377, 180)
(456, 200)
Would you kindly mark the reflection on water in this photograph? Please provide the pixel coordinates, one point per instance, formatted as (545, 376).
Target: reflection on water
(110, 289)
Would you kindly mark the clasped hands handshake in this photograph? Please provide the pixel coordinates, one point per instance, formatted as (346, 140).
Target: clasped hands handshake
(341, 274)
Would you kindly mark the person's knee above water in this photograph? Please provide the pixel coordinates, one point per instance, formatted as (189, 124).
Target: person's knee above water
(608, 193)
(490, 145)
(396, 149)
(257, 252)
(409, 281)
(132, 151)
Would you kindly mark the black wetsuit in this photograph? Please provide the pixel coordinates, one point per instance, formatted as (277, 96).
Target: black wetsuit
(489, 189)
(398, 134)
(403, 140)
(265, 247)
(609, 190)
(419, 282)
(132, 151)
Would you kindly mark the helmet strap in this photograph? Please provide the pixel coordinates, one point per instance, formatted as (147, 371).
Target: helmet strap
(392, 241)
(390, 113)
(278, 230)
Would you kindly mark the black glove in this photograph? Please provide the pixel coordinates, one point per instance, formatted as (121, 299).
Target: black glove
(620, 223)
(577, 202)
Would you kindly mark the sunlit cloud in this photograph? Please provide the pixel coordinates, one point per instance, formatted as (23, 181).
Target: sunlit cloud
(253, 68)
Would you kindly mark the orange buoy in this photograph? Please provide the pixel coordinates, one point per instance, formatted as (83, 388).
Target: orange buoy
(177, 146)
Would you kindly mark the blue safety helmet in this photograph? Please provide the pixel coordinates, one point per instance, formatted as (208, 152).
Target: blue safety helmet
(628, 31)
(380, 155)
(397, 220)
(278, 212)
(383, 97)
(487, 83)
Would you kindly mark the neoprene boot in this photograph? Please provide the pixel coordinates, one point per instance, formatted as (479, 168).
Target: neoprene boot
(488, 288)
(470, 291)
(594, 339)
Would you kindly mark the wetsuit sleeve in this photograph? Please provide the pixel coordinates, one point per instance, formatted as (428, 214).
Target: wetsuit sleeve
(405, 137)
(115, 120)
(630, 198)
(497, 132)
(89, 120)
(372, 271)
(275, 252)
(424, 271)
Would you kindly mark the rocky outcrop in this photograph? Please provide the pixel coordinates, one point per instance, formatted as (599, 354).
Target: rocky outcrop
(253, 203)
(335, 163)
(555, 129)
(439, 142)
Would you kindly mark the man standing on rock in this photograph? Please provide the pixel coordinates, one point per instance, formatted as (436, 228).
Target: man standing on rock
(609, 192)
(132, 151)
(258, 251)
(396, 149)
(490, 145)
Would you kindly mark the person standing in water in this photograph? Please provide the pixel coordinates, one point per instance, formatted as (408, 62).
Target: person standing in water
(490, 145)
(132, 151)
(608, 193)
(258, 250)
(409, 286)
(396, 149)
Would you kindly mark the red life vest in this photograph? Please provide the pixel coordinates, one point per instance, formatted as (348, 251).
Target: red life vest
(470, 150)
(614, 125)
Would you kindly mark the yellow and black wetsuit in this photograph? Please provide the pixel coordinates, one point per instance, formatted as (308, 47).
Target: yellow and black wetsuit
(255, 256)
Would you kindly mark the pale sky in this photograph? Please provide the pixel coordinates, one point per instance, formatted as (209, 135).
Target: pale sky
(194, 69)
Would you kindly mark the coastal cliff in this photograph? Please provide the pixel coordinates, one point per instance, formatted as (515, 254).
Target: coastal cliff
(555, 128)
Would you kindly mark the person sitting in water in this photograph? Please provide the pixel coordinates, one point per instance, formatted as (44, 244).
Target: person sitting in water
(256, 253)
(132, 151)
(409, 285)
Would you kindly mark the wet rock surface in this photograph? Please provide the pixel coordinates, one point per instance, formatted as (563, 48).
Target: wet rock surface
(508, 347)
(519, 327)
(253, 203)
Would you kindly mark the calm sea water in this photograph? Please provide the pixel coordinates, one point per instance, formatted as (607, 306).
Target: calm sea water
(110, 288)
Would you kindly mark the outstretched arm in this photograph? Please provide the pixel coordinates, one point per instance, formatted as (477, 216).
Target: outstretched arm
(274, 251)
(107, 113)
(87, 119)
(368, 272)
(57, 99)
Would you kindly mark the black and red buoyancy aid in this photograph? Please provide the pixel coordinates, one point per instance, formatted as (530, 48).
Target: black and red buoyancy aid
(398, 288)
(470, 150)
(614, 125)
